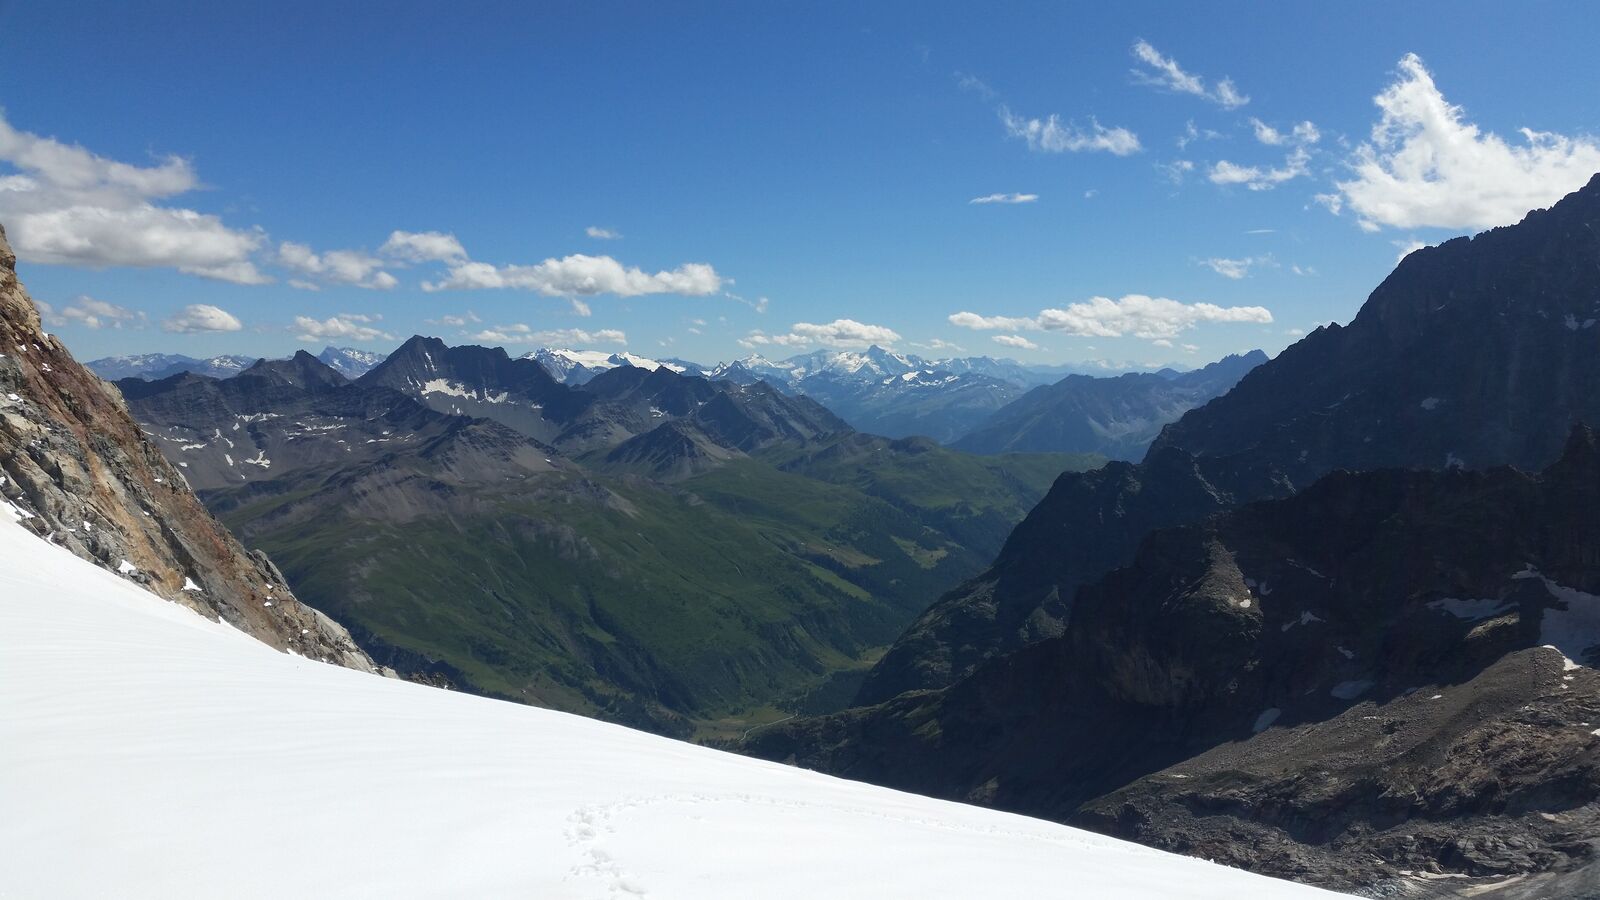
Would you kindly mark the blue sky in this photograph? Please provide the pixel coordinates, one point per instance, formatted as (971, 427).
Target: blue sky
(199, 178)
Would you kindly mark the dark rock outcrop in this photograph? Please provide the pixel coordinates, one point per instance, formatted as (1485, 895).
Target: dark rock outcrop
(1385, 673)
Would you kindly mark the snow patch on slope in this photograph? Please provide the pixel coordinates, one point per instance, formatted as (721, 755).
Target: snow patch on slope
(186, 759)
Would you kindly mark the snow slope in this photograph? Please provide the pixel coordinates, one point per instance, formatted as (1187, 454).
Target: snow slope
(148, 752)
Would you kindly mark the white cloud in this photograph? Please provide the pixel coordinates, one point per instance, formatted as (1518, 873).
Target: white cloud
(602, 234)
(199, 318)
(1005, 198)
(991, 323)
(1164, 72)
(1176, 170)
(846, 334)
(90, 313)
(526, 334)
(68, 206)
(1426, 166)
(1235, 268)
(1134, 314)
(471, 318)
(1257, 178)
(1051, 136)
(759, 304)
(976, 85)
(423, 246)
(1300, 135)
(1302, 270)
(342, 327)
(939, 344)
(1192, 134)
(1407, 247)
(1015, 340)
(1161, 342)
(581, 308)
(350, 267)
(581, 274)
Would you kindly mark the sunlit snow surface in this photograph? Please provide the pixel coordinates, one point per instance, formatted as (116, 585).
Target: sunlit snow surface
(147, 752)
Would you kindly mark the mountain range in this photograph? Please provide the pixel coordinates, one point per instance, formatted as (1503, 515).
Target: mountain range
(348, 361)
(663, 549)
(1116, 417)
(1236, 648)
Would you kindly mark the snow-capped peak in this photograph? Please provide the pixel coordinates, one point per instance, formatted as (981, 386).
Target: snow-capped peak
(578, 366)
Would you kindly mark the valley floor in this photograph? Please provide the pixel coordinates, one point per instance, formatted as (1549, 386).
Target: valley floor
(148, 752)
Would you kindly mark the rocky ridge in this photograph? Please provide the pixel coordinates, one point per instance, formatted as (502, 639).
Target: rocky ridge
(77, 471)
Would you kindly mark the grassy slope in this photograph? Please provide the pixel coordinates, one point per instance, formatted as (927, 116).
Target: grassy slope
(707, 605)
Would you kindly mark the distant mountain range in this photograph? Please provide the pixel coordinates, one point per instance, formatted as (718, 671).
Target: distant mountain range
(987, 405)
(160, 365)
(348, 361)
(981, 404)
(1115, 417)
(479, 523)
(579, 366)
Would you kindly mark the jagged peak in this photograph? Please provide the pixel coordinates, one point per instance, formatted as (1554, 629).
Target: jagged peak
(8, 258)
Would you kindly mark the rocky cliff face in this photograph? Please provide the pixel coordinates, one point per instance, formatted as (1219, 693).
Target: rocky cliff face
(77, 471)
(1386, 673)
(1478, 352)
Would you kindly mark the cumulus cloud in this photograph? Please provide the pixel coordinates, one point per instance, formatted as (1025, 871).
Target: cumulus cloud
(200, 318)
(1004, 198)
(1053, 136)
(1425, 165)
(423, 246)
(1140, 316)
(580, 274)
(90, 313)
(602, 234)
(1262, 178)
(1301, 134)
(1015, 340)
(1235, 268)
(581, 309)
(991, 323)
(351, 267)
(65, 205)
(847, 334)
(342, 327)
(520, 333)
(1164, 72)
